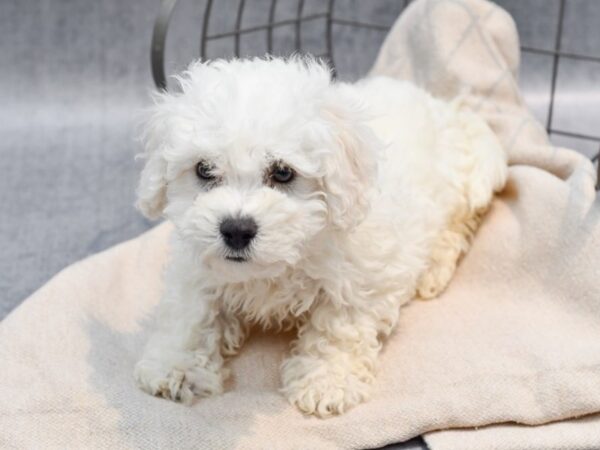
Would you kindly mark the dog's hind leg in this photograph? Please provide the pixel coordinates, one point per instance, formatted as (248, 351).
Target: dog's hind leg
(485, 174)
(446, 251)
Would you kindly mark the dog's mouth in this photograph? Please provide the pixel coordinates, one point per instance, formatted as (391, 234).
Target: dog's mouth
(237, 259)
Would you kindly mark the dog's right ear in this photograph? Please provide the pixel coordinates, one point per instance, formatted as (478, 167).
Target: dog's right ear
(160, 126)
(151, 191)
(152, 187)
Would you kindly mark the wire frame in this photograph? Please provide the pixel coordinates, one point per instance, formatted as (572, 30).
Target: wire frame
(237, 33)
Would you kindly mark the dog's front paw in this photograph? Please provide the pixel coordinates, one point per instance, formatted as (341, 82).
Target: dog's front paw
(178, 382)
(324, 389)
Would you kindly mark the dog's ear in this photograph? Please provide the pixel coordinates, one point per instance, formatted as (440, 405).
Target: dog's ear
(152, 187)
(351, 165)
(151, 191)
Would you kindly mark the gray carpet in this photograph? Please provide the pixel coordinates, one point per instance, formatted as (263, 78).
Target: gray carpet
(75, 74)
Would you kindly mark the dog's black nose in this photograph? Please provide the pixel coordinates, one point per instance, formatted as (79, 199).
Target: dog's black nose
(237, 233)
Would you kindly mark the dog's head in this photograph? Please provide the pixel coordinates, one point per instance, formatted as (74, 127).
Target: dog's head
(255, 160)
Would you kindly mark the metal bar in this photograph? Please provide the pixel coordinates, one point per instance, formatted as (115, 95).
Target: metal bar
(238, 26)
(586, 137)
(354, 23)
(157, 47)
(270, 27)
(205, 22)
(329, 37)
(559, 31)
(561, 54)
(299, 25)
(266, 27)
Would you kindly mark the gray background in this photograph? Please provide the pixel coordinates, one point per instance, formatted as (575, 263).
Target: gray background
(75, 74)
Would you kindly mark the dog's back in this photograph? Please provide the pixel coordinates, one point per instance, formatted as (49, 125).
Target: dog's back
(441, 163)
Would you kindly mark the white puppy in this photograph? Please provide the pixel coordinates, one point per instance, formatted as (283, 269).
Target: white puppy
(290, 213)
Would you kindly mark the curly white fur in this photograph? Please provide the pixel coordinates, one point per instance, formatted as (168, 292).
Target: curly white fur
(390, 186)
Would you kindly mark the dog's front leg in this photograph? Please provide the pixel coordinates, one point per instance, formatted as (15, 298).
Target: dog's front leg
(333, 360)
(182, 359)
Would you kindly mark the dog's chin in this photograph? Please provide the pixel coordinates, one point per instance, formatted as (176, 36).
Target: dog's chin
(237, 269)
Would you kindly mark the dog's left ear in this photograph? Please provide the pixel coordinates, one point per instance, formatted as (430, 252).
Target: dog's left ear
(351, 166)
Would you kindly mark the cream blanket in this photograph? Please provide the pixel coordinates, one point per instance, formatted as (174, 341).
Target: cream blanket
(514, 340)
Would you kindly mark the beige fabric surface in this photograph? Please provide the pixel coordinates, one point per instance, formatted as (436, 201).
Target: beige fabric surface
(514, 340)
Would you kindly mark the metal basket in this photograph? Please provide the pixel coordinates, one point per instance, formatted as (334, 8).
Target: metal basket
(301, 19)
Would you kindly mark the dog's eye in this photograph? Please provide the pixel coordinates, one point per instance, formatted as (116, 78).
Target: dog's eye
(205, 171)
(282, 174)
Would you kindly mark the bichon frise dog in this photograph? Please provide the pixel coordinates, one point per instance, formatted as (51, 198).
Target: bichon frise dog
(303, 203)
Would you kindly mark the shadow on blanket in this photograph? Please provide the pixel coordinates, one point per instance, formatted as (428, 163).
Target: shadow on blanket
(141, 420)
